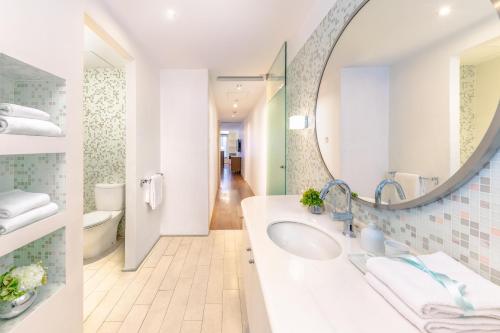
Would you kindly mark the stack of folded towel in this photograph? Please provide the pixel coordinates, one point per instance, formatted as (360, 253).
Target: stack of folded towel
(19, 209)
(18, 119)
(430, 306)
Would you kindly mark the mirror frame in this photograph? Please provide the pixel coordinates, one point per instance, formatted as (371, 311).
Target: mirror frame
(486, 149)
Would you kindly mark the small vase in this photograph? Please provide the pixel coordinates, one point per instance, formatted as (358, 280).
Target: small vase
(16, 307)
(316, 209)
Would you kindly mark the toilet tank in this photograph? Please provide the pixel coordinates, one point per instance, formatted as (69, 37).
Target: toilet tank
(110, 196)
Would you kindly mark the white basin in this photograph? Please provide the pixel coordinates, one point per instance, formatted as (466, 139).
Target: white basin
(303, 240)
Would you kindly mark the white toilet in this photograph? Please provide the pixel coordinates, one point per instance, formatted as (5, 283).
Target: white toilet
(100, 227)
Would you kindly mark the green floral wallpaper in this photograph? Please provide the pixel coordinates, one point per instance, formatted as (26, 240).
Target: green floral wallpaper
(104, 129)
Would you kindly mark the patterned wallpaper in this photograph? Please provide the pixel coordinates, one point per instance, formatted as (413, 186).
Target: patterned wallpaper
(466, 224)
(104, 129)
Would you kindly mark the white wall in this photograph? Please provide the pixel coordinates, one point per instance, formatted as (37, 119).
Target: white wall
(364, 120)
(487, 92)
(31, 32)
(327, 122)
(185, 151)
(213, 153)
(255, 148)
(143, 138)
(422, 105)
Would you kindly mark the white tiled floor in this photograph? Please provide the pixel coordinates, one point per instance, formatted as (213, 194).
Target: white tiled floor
(187, 284)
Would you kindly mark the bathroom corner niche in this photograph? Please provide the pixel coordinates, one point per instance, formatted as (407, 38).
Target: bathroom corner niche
(50, 250)
(44, 173)
(23, 84)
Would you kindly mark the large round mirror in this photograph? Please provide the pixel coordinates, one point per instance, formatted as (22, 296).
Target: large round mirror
(410, 94)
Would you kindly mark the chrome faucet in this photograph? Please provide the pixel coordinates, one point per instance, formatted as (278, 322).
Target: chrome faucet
(341, 216)
(380, 187)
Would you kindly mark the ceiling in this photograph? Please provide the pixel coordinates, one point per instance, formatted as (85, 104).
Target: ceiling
(98, 53)
(226, 36)
(482, 53)
(371, 39)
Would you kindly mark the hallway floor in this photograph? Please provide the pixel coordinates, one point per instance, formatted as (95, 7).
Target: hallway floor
(185, 285)
(227, 213)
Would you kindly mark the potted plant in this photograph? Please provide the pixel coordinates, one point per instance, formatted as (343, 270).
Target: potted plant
(313, 201)
(18, 289)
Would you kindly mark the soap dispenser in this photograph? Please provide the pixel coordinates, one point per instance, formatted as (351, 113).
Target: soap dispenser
(372, 239)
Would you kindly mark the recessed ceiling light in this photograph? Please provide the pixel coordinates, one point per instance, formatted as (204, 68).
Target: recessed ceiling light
(171, 14)
(235, 105)
(232, 115)
(444, 11)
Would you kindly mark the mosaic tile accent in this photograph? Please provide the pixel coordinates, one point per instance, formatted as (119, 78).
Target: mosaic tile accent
(467, 93)
(46, 95)
(43, 173)
(104, 130)
(466, 224)
(50, 250)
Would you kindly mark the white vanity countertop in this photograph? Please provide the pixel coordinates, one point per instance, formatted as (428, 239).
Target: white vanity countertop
(316, 296)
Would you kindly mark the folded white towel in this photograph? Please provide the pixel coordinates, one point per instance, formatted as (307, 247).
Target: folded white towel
(16, 202)
(14, 110)
(25, 126)
(429, 299)
(37, 214)
(455, 325)
(156, 191)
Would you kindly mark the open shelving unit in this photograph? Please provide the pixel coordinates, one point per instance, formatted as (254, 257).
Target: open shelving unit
(37, 164)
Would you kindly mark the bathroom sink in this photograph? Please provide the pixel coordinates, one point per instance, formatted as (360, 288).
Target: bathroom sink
(303, 240)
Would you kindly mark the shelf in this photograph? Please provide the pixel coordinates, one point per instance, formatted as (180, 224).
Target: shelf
(28, 144)
(20, 237)
(45, 293)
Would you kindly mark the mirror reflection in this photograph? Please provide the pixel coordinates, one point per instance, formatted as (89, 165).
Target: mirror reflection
(408, 93)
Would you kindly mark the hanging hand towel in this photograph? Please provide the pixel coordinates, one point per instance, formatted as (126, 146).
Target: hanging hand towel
(455, 325)
(16, 202)
(146, 192)
(14, 110)
(25, 126)
(156, 191)
(429, 299)
(32, 216)
(410, 183)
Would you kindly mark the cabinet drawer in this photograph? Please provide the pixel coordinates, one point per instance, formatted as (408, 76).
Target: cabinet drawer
(254, 300)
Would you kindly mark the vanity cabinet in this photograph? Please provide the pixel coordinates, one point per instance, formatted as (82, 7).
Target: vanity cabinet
(256, 309)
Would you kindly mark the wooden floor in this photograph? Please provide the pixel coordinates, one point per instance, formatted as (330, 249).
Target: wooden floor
(186, 285)
(227, 213)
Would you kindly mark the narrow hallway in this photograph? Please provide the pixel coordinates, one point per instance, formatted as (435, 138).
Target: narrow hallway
(227, 213)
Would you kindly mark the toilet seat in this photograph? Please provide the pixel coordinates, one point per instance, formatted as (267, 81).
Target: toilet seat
(95, 218)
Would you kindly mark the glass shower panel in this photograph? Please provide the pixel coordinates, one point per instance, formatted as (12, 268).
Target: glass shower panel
(276, 128)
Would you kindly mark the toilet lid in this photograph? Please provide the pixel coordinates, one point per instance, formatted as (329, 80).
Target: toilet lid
(95, 218)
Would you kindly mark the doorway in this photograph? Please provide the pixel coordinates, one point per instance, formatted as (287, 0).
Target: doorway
(227, 214)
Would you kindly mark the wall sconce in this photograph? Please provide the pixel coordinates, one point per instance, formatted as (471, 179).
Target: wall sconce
(298, 122)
